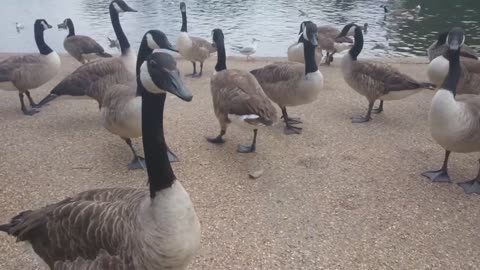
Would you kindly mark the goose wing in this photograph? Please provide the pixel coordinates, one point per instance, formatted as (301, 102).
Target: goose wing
(279, 72)
(80, 226)
(241, 94)
(83, 44)
(203, 44)
(103, 261)
(384, 77)
(12, 66)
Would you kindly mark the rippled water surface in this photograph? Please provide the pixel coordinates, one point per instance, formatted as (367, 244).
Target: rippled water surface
(274, 22)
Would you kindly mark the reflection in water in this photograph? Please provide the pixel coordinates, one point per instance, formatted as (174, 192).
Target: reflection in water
(273, 22)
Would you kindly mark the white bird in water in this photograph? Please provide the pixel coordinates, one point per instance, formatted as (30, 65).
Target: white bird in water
(19, 26)
(248, 49)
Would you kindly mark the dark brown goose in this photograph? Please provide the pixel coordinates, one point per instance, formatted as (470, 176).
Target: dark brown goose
(148, 229)
(91, 79)
(239, 98)
(26, 72)
(375, 81)
(293, 84)
(193, 49)
(82, 48)
(455, 120)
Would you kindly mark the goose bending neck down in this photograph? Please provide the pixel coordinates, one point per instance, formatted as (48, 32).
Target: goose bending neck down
(135, 228)
(293, 84)
(91, 79)
(82, 48)
(454, 120)
(121, 105)
(238, 98)
(374, 80)
(30, 71)
(193, 49)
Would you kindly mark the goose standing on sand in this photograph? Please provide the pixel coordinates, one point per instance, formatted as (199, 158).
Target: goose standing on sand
(26, 72)
(145, 229)
(455, 120)
(375, 81)
(239, 98)
(293, 84)
(82, 48)
(121, 109)
(193, 49)
(439, 47)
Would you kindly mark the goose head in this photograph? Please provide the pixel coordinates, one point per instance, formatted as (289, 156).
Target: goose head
(65, 24)
(41, 25)
(348, 30)
(309, 33)
(120, 6)
(385, 9)
(159, 75)
(455, 38)
(156, 39)
(217, 36)
(183, 7)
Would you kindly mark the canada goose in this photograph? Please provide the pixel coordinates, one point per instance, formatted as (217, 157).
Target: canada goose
(293, 84)
(454, 119)
(249, 49)
(295, 51)
(438, 48)
(402, 12)
(82, 48)
(103, 261)
(91, 79)
(329, 40)
(238, 97)
(22, 73)
(375, 81)
(121, 109)
(148, 229)
(193, 49)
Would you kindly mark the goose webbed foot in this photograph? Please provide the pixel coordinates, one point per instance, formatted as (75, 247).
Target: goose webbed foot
(360, 119)
(242, 148)
(379, 109)
(472, 186)
(137, 163)
(216, 140)
(289, 129)
(29, 112)
(171, 156)
(194, 73)
(438, 176)
(293, 120)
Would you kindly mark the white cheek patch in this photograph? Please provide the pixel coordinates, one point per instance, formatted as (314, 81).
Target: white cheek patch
(147, 81)
(117, 8)
(45, 26)
(151, 42)
(351, 31)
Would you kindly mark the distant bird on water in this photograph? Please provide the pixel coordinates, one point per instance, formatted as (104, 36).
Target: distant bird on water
(19, 26)
(302, 13)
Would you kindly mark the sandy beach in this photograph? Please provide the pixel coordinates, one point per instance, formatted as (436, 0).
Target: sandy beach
(338, 196)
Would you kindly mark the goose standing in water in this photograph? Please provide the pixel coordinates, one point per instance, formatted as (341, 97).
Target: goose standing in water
(375, 81)
(92, 79)
(143, 229)
(121, 109)
(26, 72)
(82, 48)
(193, 49)
(454, 120)
(238, 97)
(292, 84)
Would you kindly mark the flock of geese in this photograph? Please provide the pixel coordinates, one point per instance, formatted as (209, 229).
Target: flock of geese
(157, 228)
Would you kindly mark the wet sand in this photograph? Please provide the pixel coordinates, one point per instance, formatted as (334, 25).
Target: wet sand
(339, 196)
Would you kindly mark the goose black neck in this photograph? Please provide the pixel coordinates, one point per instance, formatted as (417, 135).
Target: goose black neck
(184, 22)
(309, 57)
(358, 44)
(454, 71)
(221, 56)
(39, 39)
(71, 29)
(385, 9)
(143, 52)
(160, 173)
(122, 38)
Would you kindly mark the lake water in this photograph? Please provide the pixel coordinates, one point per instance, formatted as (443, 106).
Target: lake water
(274, 22)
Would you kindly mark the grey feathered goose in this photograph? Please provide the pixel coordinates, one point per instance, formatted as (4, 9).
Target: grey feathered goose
(147, 229)
(82, 48)
(103, 261)
(293, 84)
(193, 49)
(439, 47)
(121, 108)
(373, 80)
(239, 98)
(26, 72)
(91, 79)
(455, 120)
